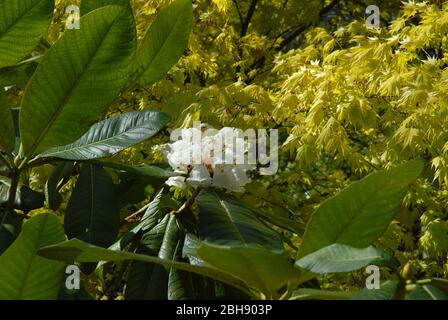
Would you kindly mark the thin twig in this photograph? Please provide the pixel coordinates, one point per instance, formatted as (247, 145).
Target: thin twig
(250, 13)
(188, 203)
(239, 11)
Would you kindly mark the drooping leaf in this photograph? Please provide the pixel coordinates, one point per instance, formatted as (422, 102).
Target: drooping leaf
(52, 196)
(82, 73)
(225, 220)
(77, 250)
(342, 258)
(260, 268)
(112, 135)
(164, 42)
(91, 213)
(22, 23)
(25, 275)
(180, 283)
(359, 214)
(147, 280)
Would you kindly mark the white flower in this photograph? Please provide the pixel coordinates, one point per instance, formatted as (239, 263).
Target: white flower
(176, 182)
(218, 158)
(199, 176)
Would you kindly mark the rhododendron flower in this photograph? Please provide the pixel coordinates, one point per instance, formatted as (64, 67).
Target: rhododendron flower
(211, 158)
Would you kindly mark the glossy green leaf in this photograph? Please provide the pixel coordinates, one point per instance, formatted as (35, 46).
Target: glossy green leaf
(149, 220)
(77, 250)
(77, 80)
(91, 213)
(112, 135)
(359, 214)
(262, 269)
(146, 280)
(22, 24)
(164, 42)
(342, 258)
(225, 220)
(137, 171)
(25, 275)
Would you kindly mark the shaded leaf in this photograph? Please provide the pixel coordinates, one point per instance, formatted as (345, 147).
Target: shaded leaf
(91, 213)
(225, 220)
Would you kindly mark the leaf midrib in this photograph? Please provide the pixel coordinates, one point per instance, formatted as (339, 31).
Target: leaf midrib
(67, 97)
(93, 143)
(8, 28)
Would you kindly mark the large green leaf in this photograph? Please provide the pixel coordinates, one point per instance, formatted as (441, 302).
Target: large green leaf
(387, 291)
(359, 214)
(342, 258)
(317, 294)
(77, 79)
(427, 292)
(225, 220)
(22, 23)
(112, 135)
(7, 134)
(91, 213)
(76, 250)
(165, 41)
(265, 270)
(24, 274)
(90, 5)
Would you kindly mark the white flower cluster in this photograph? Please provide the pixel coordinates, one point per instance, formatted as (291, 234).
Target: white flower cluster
(211, 158)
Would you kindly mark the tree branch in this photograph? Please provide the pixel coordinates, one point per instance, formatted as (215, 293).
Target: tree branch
(259, 63)
(250, 14)
(239, 11)
(302, 28)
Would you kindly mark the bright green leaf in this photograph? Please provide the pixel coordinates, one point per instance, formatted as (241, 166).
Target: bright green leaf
(23, 274)
(22, 24)
(77, 80)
